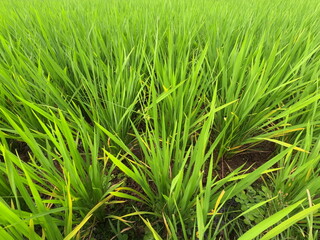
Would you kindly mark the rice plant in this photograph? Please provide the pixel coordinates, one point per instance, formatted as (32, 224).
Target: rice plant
(150, 119)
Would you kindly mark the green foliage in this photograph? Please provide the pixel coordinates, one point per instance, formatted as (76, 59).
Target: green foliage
(118, 114)
(249, 198)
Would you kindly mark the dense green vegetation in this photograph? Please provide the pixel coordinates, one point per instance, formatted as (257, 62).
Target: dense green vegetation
(124, 119)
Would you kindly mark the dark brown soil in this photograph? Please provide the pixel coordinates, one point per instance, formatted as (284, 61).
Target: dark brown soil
(22, 149)
(251, 159)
